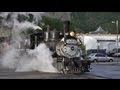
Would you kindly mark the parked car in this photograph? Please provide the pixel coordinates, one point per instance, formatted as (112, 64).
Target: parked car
(99, 57)
(116, 55)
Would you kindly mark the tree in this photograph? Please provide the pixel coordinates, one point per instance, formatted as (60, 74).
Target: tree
(90, 21)
(52, 22)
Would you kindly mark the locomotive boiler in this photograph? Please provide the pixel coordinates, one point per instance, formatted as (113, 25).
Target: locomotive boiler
(65, 49)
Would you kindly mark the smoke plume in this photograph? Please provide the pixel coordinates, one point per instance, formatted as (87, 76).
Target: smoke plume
(39, 59)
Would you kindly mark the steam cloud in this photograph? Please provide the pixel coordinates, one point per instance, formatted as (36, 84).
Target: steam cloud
(38, 59)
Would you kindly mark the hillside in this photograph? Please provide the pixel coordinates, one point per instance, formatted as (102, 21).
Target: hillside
(90, 21)
(83, 22)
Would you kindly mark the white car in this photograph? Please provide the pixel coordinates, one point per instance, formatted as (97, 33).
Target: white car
(99, 57)
(116, 55)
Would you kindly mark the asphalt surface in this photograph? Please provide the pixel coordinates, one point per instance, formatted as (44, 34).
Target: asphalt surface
(41, 75)
(99, 71)
(109, 70)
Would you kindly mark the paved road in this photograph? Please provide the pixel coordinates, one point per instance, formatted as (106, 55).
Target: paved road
(109, 70)
(10, 74)
(99, 71)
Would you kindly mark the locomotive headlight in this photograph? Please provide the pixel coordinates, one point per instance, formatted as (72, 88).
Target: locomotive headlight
(72, 34)
(72, 48)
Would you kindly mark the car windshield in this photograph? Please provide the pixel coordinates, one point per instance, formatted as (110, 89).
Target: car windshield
(92, 54)
(99, 55)
(116, 54)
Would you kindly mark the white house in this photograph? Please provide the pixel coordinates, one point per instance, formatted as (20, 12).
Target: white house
(104, 41)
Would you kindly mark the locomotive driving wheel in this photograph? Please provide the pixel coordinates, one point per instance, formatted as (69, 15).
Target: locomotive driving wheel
(68, 66)
(61, 65)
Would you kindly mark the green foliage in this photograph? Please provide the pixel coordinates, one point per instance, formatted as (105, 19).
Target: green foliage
(52, 22)
(55, 23)
(83, 22)
(83, 48)
(90, 21)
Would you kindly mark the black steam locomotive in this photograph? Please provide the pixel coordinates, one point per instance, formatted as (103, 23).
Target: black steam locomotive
(66, 53)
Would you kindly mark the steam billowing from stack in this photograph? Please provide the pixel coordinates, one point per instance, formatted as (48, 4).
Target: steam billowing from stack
(38, 59)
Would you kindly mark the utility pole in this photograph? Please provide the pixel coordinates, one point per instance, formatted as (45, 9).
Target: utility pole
(117, 36)
(117, 41)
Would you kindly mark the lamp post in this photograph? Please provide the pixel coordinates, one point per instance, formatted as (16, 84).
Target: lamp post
(116, 22)
(98, 46)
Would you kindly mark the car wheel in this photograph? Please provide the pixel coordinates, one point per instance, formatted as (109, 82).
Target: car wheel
(110, 60)
(95, 61)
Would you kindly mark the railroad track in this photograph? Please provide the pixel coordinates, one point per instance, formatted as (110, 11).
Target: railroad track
(10, 74)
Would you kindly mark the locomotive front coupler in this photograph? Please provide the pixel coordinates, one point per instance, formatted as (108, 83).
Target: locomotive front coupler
(86, 64)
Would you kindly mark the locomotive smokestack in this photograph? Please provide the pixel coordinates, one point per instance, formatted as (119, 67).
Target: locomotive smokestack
(66, 26)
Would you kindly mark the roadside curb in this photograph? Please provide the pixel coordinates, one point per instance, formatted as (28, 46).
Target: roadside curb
(107, 63)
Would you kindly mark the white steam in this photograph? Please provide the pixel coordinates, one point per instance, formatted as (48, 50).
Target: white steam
(10, 18)
(25, 25)
(39, 59)
(90, 42)
(9, 60)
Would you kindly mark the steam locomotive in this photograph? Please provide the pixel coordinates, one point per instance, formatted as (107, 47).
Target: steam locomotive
(66, 53)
